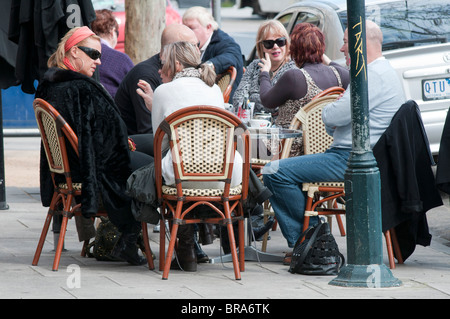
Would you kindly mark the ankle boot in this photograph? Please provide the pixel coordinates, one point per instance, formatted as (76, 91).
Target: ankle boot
(202, 257)
(206, 234)
(258, 232)
(127, 249)
(186, 259)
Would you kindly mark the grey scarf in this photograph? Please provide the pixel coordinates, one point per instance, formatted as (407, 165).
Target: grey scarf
(188, 72)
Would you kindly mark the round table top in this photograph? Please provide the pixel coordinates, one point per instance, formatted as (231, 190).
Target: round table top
(274, 132)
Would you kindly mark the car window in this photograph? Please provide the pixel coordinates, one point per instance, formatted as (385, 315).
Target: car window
(307, 17)
(114, 5)
(285, 19)
(410, 23)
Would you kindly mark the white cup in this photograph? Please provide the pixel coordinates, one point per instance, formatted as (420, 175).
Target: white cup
(258, 123)
(229, 107)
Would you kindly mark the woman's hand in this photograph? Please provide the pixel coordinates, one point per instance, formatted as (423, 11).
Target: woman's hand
(146, 92)
(265, 63)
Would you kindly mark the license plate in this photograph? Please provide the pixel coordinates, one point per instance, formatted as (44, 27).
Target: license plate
(436, 89)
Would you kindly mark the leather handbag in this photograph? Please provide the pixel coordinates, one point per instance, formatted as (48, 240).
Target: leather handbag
(107, 235)
(316, 252)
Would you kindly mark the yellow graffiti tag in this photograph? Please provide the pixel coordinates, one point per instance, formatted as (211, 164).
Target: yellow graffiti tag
(360, 61)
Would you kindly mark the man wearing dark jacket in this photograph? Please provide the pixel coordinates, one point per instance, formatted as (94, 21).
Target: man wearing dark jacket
(217, 47)
(132, 107)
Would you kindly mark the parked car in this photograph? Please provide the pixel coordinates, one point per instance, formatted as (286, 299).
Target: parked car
(265, 8)
(118, 7)
(416, 42)
(191, 3)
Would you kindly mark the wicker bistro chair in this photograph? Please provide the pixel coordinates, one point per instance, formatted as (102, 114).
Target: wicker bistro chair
(315, 140)
(323, 98)
(55, 133)
(225, 81)
(334, 90)
(203, 141)
(322, 197)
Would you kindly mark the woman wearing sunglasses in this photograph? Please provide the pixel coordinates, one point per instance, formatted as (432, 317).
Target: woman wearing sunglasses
(105, 160)
(273, 39)
(298, 86)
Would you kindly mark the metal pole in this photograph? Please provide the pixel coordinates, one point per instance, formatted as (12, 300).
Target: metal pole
(3, 205)
(365, 266)
(216, 5)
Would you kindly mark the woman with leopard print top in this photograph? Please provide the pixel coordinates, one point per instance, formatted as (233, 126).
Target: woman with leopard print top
(297, 87)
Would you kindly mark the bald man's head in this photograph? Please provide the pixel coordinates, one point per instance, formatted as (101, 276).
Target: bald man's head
(373, 33)
(177, 32)
(374, 41)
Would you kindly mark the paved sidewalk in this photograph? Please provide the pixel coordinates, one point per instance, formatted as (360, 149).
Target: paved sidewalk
(426, 274)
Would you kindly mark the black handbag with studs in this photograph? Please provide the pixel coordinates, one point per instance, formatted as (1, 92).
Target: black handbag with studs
(316, 252)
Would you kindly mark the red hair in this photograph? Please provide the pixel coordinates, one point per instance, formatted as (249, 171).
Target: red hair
(307, 44)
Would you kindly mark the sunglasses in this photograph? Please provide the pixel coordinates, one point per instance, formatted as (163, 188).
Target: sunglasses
(268, 44)
(90, 52)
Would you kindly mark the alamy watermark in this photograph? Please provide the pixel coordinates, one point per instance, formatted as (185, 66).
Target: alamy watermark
(74, 18)
(374, 279)
(74, 279)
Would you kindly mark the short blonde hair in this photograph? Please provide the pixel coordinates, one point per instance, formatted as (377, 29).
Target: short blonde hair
(188, 55)
(271, 27)
(203, 16)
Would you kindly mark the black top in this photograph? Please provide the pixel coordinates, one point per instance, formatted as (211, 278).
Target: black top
(293, 86)
(408, 187)
(223, 52)
(135, 114)
(104, 162)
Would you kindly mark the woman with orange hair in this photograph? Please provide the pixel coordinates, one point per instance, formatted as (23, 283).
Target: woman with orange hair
(297, 87)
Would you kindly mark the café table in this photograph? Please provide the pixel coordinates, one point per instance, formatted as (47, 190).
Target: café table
(251, 252)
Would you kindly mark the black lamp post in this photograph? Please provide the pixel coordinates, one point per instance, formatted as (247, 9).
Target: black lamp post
(365, 266)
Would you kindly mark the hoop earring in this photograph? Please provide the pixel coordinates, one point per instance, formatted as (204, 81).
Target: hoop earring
(82, 65)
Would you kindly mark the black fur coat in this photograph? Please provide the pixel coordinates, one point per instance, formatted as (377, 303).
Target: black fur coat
(104, 163)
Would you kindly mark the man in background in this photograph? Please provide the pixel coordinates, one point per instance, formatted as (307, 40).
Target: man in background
(217, 48)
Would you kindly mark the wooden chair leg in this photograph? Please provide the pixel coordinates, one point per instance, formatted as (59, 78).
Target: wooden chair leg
(390, 252)
(148, 251)
(265, 237)
(168, 259)
(55, 201)
(233, 252)
(275, 223)
(241, 244)
(234, 256)
(266, 208)
(60, 246)
(162, 244)
(40, 245)
(397, 250)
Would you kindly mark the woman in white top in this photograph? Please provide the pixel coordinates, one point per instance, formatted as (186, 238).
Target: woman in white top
(186, 82)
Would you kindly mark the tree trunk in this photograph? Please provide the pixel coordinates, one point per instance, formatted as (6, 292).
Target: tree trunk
(145, 21)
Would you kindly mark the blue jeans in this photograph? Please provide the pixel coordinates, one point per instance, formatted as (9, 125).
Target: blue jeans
(284, 178)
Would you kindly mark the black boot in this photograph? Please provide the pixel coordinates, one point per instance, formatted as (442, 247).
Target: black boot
(258, 232)
(206, 233)
(186, 259)
(127, 249)
(202, 257)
